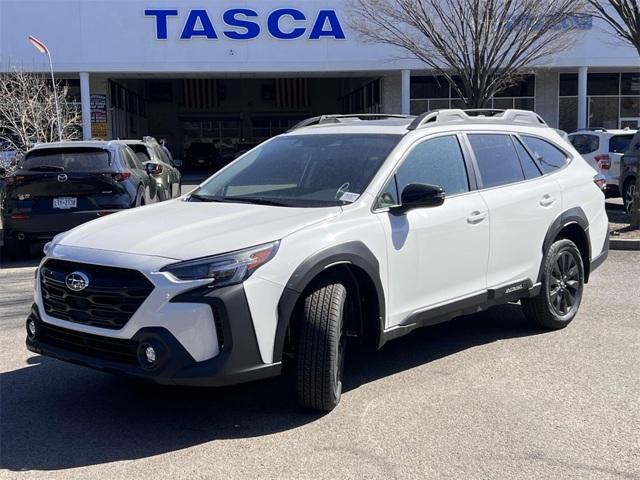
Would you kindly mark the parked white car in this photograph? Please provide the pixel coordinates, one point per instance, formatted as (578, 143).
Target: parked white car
(603, 149)
(341, 228)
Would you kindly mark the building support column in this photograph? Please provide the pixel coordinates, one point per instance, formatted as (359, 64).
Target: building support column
(85, 100)
(582, 98)
(406, 92)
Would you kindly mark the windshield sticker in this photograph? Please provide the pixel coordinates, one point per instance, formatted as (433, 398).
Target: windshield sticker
(349, 197)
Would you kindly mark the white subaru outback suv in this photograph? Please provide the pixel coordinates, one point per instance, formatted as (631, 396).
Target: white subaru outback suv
(346, 226)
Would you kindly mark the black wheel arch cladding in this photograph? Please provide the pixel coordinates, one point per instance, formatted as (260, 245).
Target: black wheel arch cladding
(351, 253)
(576, 217)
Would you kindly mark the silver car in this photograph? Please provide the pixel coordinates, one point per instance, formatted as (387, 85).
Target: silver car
(160, 167)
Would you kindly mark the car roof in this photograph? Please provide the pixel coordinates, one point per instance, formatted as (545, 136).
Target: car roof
(104, 144)
(587, 131)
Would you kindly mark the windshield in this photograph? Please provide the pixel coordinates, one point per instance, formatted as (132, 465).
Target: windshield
(67, 160)
(302, 171)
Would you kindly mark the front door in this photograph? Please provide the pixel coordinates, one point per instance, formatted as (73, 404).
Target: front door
(435, 255)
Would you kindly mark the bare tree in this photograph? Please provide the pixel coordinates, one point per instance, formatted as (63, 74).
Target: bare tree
(28, 111)
(487, 44)
(623, 16)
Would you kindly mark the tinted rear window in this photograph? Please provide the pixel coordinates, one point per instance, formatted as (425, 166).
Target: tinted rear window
(619, 143)
(67, 159)
(585, 144)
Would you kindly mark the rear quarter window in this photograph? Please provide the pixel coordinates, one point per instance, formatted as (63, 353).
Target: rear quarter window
(620, 143)
(549, 157)
(68, 159)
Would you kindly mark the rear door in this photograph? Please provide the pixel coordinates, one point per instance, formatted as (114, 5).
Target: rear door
(63, 179)
(522, 202)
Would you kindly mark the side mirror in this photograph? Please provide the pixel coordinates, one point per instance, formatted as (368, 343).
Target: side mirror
(417, 195)
(153, 168)
(177, 162)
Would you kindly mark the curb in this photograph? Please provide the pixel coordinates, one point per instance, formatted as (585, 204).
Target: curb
(621, 244)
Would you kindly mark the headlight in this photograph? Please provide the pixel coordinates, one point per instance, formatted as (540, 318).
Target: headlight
(225, 269)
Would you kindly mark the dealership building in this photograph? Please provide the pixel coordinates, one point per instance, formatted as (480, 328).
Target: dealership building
(235, 73)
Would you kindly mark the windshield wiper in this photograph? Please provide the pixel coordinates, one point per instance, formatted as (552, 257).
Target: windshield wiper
(205, 198)
(256, 201)
(46, 168)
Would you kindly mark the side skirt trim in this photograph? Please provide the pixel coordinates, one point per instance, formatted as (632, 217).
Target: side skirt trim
(476, 303)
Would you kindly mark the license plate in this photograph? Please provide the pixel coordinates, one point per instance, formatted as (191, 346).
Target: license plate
(65, 203)
(200, 160)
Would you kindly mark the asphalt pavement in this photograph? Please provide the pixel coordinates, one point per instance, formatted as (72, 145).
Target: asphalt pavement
(485, 396)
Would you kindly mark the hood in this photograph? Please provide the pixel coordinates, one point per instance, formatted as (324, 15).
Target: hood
(186, 230)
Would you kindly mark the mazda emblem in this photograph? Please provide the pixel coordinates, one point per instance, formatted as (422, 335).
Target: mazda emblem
(62, 177)
(76, 281)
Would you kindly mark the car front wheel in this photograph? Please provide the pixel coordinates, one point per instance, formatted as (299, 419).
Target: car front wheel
(321, 346)
(561, 292)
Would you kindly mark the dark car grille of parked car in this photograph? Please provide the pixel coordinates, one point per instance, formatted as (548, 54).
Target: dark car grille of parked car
(113, 349)
(108, 300)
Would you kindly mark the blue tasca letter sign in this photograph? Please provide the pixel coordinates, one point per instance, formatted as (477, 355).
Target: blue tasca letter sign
(242, 24)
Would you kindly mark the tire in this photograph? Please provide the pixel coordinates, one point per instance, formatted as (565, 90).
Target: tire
(627, 194)
(139, 198)
(562, 285)
(321, 345)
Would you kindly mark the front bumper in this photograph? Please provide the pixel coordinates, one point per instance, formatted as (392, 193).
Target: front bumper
(238, 361)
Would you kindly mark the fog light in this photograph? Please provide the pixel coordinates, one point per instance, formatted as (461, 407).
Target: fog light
(150, 354)
(32, 329)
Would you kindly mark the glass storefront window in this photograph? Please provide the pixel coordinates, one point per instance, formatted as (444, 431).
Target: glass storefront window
(430, 93)
(429, 87)
(568, 84)
(630, 107)
(630, 84)
(603, 112)
(603, 84)
(568, 118)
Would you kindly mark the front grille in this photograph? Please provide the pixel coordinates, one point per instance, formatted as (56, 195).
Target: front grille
(113, 349)
(110, 300)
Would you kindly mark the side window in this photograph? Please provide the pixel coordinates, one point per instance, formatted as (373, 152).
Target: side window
(527, 163)
(497, 159)
(585, 144)
(161, 154)
(438, 161)
(549, 157)
(131, 159)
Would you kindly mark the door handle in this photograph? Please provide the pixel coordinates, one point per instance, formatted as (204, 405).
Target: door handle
(476, 217)
(547, 201)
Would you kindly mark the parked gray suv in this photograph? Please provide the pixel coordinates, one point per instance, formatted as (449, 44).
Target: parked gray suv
(629, 172)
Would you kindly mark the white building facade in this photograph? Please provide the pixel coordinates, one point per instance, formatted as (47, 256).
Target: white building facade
(234, 73)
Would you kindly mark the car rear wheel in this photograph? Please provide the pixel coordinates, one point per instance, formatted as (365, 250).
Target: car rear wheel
(628, 192)
(321, 347)
(561, 292)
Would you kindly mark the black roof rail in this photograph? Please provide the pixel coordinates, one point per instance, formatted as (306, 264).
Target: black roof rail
(337, 118)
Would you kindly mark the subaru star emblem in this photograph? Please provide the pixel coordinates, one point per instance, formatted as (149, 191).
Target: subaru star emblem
(62, 177)
(76, 281)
